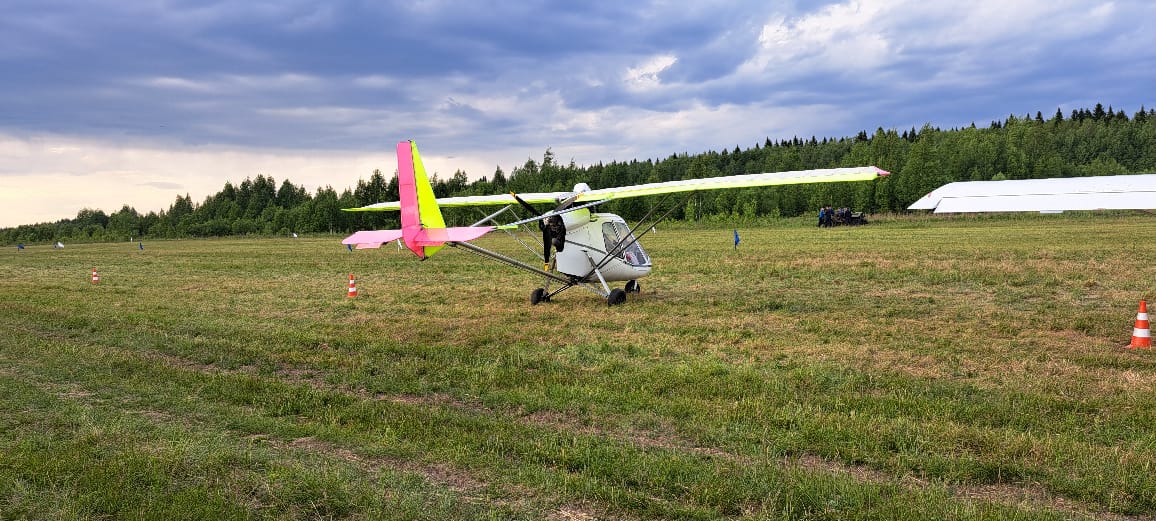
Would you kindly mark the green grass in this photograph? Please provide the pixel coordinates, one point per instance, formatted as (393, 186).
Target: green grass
(916, 368)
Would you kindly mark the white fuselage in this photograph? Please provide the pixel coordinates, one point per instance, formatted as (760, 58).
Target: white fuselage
(589, 236)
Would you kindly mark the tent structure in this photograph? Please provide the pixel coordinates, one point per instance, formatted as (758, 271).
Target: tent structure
(1121, 192)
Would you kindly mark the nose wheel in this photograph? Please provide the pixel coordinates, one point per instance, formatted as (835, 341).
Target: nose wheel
(633, 287)
(538, 295)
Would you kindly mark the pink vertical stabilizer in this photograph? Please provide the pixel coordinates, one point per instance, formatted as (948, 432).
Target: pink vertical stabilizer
(407, 189)
(423, 229)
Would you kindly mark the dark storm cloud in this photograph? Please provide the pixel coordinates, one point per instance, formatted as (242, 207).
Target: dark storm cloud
(342, 74)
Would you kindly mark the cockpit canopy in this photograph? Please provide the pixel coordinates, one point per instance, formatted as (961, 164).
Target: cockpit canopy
(620, 241)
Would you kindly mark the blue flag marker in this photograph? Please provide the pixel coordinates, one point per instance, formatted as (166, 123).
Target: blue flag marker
(736, 239)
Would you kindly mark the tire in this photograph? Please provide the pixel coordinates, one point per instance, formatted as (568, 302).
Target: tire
(538, 295)
(633, 287)
(617, 296)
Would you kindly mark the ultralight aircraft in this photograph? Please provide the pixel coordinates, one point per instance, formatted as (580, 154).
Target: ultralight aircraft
(579, 247)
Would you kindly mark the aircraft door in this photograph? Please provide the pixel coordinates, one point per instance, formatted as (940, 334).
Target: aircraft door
(574, 260)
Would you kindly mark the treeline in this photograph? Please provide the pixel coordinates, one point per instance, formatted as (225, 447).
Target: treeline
(1084, 142)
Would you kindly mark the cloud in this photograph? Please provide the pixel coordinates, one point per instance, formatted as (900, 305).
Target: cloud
(877, 38)
(234, 84)
(376, 81)
(495, 83)
(842, 38)
(179, 84)
(646, 76)
(314, 18)
(164, 185)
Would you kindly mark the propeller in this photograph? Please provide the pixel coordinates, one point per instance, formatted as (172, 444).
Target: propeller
(553, 228)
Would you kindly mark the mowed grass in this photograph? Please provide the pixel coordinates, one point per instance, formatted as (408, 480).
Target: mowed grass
(920, 368)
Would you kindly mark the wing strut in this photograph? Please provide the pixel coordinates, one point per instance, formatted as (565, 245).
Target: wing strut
(490, 218)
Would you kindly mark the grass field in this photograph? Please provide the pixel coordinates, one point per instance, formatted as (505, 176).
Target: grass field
(910, 369)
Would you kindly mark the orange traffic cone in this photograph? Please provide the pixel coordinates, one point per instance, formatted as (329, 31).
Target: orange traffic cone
(352, 286)
(1141, 335)
(95, 277)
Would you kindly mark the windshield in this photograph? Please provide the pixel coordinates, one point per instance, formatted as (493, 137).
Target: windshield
(617, 234)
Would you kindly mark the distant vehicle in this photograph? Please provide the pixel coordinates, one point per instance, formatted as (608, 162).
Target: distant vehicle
(845, 217)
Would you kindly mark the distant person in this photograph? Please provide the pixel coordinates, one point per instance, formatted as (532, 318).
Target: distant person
(20, 247)
(822, 215)
(141, 244)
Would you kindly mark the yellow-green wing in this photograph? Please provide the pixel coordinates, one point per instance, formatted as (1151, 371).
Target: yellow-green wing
(826, 175)
(823, 175)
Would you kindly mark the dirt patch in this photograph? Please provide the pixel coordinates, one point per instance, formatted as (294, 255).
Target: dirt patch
(157, 416)
(442, 474)
(1035, 496)
(859, 472)
(638, 437)
(573, 513)
(1032, 496)
(435, 399)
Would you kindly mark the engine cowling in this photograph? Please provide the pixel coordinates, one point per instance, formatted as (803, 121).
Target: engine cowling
(576, 218)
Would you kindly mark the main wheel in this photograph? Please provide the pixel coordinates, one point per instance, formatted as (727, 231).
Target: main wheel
(538, 295)
(617, 296)
(633, 287)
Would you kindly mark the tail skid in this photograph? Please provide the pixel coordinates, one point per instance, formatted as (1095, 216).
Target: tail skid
(423, 229)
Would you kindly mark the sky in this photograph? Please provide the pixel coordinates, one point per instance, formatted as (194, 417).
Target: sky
(105, 103)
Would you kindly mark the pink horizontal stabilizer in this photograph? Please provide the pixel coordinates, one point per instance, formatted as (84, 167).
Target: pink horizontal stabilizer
(436, 236)
(369, 245)
(372, 236)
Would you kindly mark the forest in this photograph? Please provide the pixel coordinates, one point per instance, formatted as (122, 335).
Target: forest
(1085, 142)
